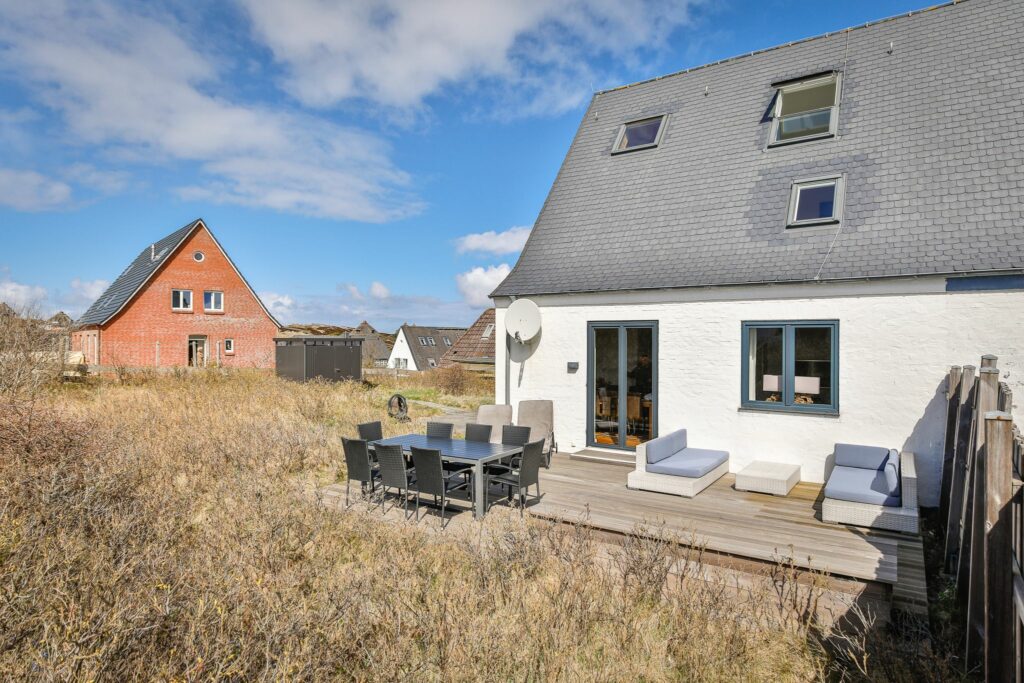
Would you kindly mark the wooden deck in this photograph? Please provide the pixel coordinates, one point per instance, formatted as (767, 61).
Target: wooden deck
(738, 524)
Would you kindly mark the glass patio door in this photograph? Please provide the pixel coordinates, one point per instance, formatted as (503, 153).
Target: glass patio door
(622, 383)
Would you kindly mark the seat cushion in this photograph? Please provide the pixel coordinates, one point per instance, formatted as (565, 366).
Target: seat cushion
(858, 485)
(666, 446)
(864, 457)
(689, 462)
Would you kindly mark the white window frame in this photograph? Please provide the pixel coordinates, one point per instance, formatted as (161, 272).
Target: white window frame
(181, 308)
(430, 341)
(213, 309)
(795, 86)
(622, 134)
(837, 203)
(198, 256)
(423, 341)
(447, 341)
(229, 347)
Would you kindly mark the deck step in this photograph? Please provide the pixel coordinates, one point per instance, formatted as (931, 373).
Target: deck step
(608, 457)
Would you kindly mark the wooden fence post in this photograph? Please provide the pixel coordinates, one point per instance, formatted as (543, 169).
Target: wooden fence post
(988, 394)
(958, 478)
(952, 409)
(999, 612)
(989, 361)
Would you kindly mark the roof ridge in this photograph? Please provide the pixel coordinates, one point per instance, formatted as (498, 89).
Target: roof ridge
(828, 34)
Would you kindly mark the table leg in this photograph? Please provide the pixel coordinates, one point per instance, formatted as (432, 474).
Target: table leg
(478, 490)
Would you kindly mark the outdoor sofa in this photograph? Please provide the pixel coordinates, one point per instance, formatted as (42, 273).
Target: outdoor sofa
(873, 487)
(669, 465)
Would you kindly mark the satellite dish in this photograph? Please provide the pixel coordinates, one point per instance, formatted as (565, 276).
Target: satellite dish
(522, 320)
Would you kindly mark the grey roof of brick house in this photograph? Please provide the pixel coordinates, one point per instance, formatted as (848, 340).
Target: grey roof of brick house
(138, 273)
(423, 354)
(930, 140)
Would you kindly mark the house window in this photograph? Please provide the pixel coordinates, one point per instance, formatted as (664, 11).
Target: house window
(401, 363)
(487, 331)
(423, 341)
(431, 362)
(639, 134)
(816, 201)
(791, 366)
(430, 341)
(806, 109)
(447, 341)
(213, 301)
(198, 256)
(181, 299)
(229, 346)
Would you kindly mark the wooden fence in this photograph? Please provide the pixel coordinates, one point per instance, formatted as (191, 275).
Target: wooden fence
(982, 511)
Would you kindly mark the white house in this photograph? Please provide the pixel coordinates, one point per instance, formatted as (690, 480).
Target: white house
(421, 348)
(787, 249)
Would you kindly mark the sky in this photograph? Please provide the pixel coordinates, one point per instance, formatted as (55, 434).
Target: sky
(374, 159)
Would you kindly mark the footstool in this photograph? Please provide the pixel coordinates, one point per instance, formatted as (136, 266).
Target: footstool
(777, 478)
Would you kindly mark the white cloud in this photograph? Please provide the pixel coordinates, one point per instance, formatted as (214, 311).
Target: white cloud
(106, 182)
(477, 284)
(398, 52)
(30, 191)
(18, 295)
(353, 292)
(281, 305)
(81, 295)
(379, 291)
(384, 314)
(132, 78)
(510, 241)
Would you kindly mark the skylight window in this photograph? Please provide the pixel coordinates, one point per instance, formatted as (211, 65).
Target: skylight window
(806, 110)
(816, 202)
(639, 134)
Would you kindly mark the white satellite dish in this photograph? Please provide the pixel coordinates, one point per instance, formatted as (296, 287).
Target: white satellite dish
(522, 320)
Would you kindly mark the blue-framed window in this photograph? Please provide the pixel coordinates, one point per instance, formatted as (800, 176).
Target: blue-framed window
(791, 365)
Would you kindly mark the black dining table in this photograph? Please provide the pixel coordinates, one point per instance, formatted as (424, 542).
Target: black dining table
(475, 453)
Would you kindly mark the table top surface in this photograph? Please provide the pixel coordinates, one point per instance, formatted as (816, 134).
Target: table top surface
(765, 467)
(453, 448)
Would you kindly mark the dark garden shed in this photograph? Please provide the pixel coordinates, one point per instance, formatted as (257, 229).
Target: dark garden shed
(330, 358)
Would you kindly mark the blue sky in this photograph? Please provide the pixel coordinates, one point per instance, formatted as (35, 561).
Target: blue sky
(373, 159)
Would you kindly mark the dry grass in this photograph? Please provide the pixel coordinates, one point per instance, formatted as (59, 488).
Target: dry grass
(163, 529)
(452, 386)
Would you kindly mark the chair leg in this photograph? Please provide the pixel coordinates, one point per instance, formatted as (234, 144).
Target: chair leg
(417, 506)
(444, 505)
(348, 483)
(522, 502)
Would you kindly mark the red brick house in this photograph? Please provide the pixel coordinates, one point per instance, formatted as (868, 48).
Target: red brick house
(181, 302)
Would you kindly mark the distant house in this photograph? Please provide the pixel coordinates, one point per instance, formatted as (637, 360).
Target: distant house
(376, 345)
(786, 249)
(421, 348)
(475, 349)
(181, 302)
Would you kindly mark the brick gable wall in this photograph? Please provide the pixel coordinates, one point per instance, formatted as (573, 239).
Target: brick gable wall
(133, 336)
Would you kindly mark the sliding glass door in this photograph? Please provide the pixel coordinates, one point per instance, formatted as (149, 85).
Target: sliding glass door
(622, 383)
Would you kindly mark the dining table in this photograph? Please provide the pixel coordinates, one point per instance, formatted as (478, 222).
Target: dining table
(474, 453)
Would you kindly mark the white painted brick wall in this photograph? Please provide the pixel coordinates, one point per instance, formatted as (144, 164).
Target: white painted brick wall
(896, 344)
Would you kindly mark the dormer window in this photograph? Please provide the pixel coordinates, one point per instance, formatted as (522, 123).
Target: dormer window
(640, 134)
(817, 201)
(806, 109)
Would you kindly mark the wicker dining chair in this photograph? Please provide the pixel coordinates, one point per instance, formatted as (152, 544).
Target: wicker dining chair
(522, 478)
(358, 466)
(439, 430)
(394, 474)
(478, 432)
(370, 431)
(433, 480)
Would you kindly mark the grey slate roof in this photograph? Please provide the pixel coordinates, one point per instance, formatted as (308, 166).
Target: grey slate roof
(128, 282)
(424, 354)
(930, 139)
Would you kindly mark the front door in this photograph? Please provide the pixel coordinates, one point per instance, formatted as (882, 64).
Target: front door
(196, 352)
(622, 383)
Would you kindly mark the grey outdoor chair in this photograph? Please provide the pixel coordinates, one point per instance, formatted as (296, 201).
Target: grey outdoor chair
(539, 416)
(439, 430)
(370, 431)
(478, 432)
(515, 435)
(433, 480)
(394, 473)
(358, 466)
(522, 478)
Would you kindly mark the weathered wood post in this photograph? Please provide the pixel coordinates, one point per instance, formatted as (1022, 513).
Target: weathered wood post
(999, 617)
(989, 361)
(959, 468)
(988, 394)
(952, 409)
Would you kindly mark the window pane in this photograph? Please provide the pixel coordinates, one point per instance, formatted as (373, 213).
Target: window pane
(186, 299)
(799, 125)
(606, 386)
(640, 133)
(765, 374)
(208, 300)
(812, 384)
(639, 385)
(808, 99)
(815, 202)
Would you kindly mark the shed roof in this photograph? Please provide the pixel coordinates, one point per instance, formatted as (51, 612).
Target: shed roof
(930, 141)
